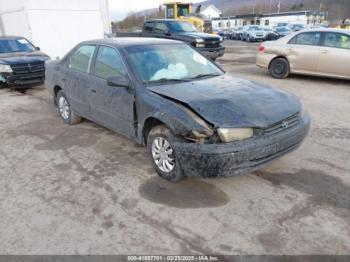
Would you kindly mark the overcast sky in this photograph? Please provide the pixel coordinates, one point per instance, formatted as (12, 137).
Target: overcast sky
(120, 8)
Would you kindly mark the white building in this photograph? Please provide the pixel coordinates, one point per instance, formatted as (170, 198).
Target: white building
(55, 25)
(269, 20)
(211, 12)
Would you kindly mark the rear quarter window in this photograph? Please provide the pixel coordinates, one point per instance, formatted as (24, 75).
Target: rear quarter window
(81, 59)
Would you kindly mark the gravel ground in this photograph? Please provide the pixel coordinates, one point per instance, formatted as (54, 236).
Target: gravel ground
(85, 190)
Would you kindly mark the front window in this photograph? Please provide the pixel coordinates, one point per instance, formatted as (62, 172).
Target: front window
(337, 40)
(160, 63)
(109, 63)
(180, 27)
(15, 45)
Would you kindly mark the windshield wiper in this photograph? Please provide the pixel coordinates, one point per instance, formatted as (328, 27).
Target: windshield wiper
(166, 80)
(204, 75)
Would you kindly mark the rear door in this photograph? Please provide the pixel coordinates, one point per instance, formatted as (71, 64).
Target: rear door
(76, 79)
(303, 52)
(160, 30)
(111, 106)
(335, 55)
(148, 29)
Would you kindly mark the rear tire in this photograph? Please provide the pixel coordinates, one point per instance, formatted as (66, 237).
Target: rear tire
(163, 155)
(65, 111)
(279, 68)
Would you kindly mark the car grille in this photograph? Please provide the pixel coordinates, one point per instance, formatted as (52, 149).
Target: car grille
(282, 125)
(212, 43)
(28, 68)
(27, 73)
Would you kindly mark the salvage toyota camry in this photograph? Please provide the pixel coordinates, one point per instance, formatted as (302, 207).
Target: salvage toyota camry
(194, 119)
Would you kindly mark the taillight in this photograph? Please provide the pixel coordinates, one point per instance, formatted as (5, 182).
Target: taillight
(261, 48)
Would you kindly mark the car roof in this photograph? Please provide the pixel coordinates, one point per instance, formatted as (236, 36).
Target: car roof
(10, 37)
(332, 30)
(133, 41)
(164, 20)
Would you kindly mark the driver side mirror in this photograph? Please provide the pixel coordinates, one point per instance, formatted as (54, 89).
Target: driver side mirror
(118, 81)
(37, 48)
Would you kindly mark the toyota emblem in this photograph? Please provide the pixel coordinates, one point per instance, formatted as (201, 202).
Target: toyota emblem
(285, 124)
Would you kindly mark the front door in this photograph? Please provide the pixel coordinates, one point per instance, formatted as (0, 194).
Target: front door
(111, 106)
(335, 55)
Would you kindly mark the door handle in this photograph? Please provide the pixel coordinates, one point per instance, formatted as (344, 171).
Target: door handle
(93, 90)
(324, 52)
(63, 80)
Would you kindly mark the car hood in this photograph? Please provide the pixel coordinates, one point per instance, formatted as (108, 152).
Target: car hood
(22, 57)
(227, 101)
(204, 36)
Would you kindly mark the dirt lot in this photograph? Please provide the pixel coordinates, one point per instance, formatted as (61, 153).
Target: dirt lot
(86, 190)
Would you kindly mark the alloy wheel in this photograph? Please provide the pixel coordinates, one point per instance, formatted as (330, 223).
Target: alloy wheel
(64, 107)
(163, 154)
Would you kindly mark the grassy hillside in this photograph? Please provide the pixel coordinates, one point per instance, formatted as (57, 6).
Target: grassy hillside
(337, 9)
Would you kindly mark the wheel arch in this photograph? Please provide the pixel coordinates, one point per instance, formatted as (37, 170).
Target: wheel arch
(149, 123)
(56, 89)
(276, 57)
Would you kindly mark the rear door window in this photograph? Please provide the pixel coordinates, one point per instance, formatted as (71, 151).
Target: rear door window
(336, 40)
(160, 28)
(109, 63)
(309, 38)
(149, 27)
(81, 59)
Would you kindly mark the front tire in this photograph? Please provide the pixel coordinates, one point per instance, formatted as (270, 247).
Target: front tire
(65, 110)
(162, 154)
(279, 68)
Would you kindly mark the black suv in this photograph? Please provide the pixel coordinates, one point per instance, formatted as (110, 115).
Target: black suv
(21, 63)
(207, 44)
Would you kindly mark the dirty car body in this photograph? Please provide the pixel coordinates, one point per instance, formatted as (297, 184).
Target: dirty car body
(218, 125)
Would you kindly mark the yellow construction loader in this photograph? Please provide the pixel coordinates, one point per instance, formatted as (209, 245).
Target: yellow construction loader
(183, 11)
(345, 24)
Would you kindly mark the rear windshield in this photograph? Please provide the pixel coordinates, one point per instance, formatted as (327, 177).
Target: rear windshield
(15, 45)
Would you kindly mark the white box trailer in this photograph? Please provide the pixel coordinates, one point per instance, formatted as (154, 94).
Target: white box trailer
(55, 25)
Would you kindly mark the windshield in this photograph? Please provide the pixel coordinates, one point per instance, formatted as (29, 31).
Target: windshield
(254, 28)
(282, 29)
(176, 62)
(180, 27)
(15, 45)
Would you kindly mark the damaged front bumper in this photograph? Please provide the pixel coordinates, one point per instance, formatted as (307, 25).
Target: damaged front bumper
(22, 79)
(242, 157)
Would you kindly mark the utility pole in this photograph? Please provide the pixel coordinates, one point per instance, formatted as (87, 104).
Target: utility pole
(279, 7)
(270, 6)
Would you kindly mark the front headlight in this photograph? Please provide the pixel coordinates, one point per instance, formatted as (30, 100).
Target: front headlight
(221, 39)
(5, 68)
(199, 40)
(234, 134)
